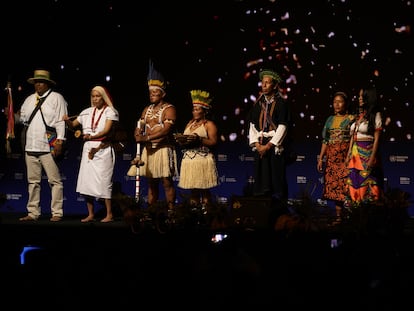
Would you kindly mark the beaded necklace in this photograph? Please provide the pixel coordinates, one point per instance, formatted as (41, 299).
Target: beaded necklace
(94, 124)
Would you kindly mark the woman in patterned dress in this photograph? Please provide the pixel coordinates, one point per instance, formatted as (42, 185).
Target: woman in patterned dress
(334, 149)
(365, 178)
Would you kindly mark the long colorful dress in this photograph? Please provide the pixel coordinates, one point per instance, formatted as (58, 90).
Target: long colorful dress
(335, 134)
(365, 183)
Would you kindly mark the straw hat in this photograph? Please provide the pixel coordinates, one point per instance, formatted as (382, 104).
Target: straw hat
(41, 75)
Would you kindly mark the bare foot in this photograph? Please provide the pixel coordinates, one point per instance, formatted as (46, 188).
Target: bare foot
(107, 219)
(88, 219)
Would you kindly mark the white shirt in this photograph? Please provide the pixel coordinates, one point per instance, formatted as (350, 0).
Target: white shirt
(53, 108)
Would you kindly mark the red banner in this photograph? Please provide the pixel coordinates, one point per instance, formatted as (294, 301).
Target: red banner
(10, 118)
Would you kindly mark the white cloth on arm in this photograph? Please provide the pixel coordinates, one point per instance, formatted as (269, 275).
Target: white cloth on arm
(253, 136)
(277, 137)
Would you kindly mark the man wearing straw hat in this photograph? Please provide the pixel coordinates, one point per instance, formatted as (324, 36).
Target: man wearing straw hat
(38, 155)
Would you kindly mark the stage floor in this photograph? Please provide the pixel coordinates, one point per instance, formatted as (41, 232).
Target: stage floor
(70, 264)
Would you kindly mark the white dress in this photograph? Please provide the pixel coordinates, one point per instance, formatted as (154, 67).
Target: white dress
(95, 176)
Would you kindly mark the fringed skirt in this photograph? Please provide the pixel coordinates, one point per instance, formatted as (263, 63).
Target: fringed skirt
(158, 162)
(198, 170)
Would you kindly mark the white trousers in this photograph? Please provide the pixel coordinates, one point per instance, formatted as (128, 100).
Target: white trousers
(34, 165)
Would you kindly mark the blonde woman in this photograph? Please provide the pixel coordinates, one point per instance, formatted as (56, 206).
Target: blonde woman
(98, 156)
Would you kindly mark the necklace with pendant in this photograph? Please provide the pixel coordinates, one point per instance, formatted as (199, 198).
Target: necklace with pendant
(94, 124)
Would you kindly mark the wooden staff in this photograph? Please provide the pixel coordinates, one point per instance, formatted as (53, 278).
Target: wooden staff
(138, 164)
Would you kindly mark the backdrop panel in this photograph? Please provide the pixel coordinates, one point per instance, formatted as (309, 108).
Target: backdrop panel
(235, 166)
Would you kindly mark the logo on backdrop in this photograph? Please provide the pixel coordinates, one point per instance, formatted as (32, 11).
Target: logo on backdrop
(398, 158)
(405, 181)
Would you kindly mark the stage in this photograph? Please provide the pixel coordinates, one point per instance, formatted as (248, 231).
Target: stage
(70, 265)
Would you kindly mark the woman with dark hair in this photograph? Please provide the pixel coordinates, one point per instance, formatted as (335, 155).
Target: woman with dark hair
(334, 149)
(365, 179)
(198, 171)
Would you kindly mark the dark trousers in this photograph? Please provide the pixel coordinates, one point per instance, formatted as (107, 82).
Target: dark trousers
(270, 175)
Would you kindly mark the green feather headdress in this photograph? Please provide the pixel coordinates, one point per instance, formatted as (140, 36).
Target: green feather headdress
(201, 98)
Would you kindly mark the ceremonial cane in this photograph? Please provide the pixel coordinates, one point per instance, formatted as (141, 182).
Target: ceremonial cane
(138, 158)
